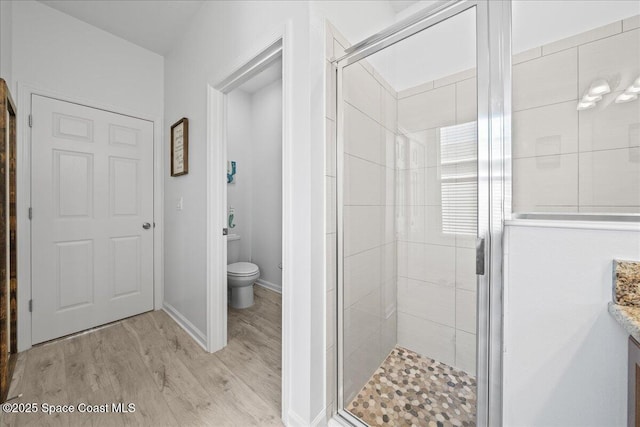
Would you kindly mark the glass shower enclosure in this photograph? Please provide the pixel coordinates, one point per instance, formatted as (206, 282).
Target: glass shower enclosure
(413, 207)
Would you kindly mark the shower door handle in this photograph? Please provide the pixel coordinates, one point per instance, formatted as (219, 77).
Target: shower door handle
(480, 256)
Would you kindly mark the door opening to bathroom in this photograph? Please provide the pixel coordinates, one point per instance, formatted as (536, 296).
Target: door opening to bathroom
(249, 259)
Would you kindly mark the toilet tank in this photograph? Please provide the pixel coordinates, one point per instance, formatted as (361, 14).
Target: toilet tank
(233, 248)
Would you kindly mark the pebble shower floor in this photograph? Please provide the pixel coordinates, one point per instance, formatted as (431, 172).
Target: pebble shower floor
(412, 390)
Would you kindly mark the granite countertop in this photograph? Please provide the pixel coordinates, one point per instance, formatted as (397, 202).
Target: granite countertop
(625, 307)
(628, 317)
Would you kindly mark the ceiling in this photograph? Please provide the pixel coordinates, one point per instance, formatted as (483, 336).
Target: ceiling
(267, 76)
(152, 24)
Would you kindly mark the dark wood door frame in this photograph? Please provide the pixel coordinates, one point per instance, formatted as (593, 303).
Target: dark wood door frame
(8, 279)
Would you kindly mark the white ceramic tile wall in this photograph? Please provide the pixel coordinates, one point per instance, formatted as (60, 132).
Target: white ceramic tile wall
(370, 272)
(436, 276)
(577, 161)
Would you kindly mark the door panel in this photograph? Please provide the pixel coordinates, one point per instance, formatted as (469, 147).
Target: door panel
(92, 178)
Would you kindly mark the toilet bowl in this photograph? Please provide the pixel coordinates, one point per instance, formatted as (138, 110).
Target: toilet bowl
(240, 279)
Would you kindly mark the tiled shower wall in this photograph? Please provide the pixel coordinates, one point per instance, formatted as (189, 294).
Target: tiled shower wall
(436, 276)
(369, 239)
(566, 160)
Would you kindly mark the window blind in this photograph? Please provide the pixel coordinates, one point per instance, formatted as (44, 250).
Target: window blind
(459, 178)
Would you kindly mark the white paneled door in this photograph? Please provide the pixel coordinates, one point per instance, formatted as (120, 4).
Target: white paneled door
(92, 225)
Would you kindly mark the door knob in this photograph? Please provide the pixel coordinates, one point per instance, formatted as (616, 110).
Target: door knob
(146, 226)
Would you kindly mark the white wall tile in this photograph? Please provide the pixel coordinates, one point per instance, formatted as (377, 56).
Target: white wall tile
(427, 301)
(431, 263)
(331, 261)
(631, 23)
(411, 187)
(546, 80)
(415, 90)
(389, 153)
(545, 181)
(615, 59)
(433, 186)
(527, 55)
(363, 91)
(362, 226)
(389, 337)
(330, 148)
(465, 241)
(403, 259)
(466, 101)
(361, 275)
(466, 310)
(389, 186)
(389, 224)
(389, 270)
(427, 338)
(466, 269)
(610, 177)
(362, 135)
(331, 318)
(610, 125)
(362, 322)
(363, 182)
(426, 110)
(414, 231)
(330, 203)
(454, 78)
(389, 111)
(433, 228)
(582, 38)
(466, 352)
(546, 130)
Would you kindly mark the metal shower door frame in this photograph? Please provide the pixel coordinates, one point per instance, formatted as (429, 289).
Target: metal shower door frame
(493, 41)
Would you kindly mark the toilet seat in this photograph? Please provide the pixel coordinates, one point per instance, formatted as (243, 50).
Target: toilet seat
(242, 269)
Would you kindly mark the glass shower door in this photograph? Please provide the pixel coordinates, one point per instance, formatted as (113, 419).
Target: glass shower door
(408, 207)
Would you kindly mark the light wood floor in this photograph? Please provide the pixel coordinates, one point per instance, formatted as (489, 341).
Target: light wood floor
(150, 361)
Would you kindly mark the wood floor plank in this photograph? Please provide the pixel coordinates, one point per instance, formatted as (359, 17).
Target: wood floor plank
(43, 382)
(151, 361)
(224, 386)
(88, 382)
(186, 398)
(130, 378)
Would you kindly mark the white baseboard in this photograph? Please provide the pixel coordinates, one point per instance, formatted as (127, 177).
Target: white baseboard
(269, 285)
(182, 321)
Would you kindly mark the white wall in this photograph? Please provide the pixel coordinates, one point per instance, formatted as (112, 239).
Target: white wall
(565, 359)
(239, 192)
(266, 166)
(54, 52)
(221, 38)
(5, 42)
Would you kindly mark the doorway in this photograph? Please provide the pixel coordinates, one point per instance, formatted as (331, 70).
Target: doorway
(92, 222)
(419, 215)
(233, 215)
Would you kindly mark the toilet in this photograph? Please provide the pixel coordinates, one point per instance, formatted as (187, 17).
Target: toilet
(240, 275)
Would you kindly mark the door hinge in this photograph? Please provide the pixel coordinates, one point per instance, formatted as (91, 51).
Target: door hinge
(30, 306)
(30, 213)
(225, 231)
(30, 120)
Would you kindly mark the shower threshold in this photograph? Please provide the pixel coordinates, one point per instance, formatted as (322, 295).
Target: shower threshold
(412, 390)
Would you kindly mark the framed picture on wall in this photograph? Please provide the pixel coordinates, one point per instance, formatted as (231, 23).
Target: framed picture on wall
(180, 147)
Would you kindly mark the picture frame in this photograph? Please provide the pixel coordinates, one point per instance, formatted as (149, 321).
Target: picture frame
(180, 147)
